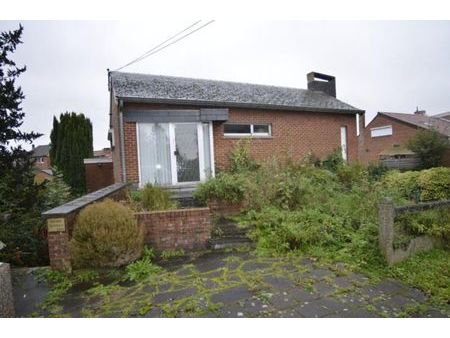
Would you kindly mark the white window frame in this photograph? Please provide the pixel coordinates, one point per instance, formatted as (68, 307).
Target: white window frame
(173, 159)
(389, 127)
(252, 133)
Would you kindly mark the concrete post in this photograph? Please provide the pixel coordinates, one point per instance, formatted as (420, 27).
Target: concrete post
(386, 216)
(6, 295)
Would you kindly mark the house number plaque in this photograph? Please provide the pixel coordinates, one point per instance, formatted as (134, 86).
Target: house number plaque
(56, 224)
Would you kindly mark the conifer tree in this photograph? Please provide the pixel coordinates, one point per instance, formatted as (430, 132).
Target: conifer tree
(71, 143)
(21, 227)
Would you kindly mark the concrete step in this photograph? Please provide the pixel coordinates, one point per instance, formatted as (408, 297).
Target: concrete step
(232, 242)
(218, 232)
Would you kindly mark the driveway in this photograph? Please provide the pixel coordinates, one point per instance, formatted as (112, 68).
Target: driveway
(237, 284)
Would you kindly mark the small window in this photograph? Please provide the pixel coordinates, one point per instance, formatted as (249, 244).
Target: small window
(381, 131)
(247, 130)
(237, 129)
(261, 129)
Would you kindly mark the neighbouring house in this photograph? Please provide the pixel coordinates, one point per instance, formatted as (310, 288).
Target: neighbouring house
(387, 134)
(42, 166)
(175, 131)
(103, 153)
(41, 156)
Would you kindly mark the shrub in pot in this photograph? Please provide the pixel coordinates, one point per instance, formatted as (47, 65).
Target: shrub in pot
(106, 234)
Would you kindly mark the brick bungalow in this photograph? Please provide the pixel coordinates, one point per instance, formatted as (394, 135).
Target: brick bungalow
(176, 131)
(390, 131)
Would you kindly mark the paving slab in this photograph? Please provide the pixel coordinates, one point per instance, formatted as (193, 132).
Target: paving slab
(231, 295)
(173, 295)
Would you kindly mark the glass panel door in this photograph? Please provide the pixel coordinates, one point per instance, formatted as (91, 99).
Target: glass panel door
(186, 152)
(154, 153)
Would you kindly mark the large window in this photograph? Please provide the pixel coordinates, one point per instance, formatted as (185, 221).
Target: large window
(236, 129)
(381, 131)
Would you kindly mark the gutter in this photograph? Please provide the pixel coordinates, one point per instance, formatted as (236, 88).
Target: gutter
(238, 105)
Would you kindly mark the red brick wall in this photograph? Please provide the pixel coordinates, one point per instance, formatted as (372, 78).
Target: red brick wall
(297, 133)
(401, 133)
(98, 175)
(131, 153)
(58, 242)
(187, 229)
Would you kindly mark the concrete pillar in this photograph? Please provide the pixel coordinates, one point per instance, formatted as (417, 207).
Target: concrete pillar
(386, 215)
(6, 295)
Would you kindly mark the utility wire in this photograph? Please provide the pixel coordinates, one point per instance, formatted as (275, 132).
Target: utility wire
(162, 43)
(161, 46)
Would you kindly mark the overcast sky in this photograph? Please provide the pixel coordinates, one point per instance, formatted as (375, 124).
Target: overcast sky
(379, 66)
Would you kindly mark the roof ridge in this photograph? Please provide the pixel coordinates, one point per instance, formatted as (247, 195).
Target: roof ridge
(176, 88)
(222, 81)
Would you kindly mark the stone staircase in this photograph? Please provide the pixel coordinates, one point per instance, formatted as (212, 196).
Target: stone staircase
(226, 234)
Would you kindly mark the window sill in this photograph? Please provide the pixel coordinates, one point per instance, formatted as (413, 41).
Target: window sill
(246, 136)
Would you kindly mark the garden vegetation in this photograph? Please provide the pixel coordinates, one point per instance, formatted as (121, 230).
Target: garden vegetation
(329, 209)
(106, 234)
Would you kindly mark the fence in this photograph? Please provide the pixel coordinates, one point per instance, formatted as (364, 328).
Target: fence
(386, 215)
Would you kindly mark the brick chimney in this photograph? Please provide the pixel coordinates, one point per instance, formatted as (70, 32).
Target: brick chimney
(322, 83)
(420, 112)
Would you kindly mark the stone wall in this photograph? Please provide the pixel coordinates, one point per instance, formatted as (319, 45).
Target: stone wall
(386, 217)
(187, 229)
(6, 295)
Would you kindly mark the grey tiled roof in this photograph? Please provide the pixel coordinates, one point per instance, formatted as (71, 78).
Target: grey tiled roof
(423, 121)
(445, 116)
(42, 150)
(157, 88)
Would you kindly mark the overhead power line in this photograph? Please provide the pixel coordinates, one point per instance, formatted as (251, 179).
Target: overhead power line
(163, 44)
(159, 45)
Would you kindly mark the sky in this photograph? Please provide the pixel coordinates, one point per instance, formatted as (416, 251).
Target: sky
(379, 66)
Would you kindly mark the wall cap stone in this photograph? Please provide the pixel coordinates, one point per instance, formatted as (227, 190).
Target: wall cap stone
(83, 201)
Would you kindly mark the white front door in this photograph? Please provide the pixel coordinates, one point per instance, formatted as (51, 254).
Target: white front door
(344, 143)
(174, 153)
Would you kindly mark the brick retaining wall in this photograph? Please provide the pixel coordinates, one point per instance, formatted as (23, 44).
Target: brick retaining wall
(187, 229)
(58, 241)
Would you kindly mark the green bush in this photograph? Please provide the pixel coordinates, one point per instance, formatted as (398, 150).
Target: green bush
(352, 174)
(425, 185)
(333, 161)
(240, 158)
(225, 187)
(430, 146)
(143, 268)
(434, 184)
(280, 231)
(56, 192)
(376, 171)
(106, 234)
(435, 223)
(404, 185)
(155, 198)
